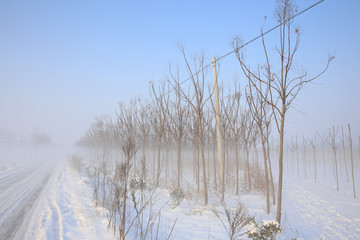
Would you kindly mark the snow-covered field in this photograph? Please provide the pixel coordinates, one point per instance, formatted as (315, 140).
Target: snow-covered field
(44, 198)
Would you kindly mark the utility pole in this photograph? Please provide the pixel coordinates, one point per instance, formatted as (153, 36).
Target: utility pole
(218, 133)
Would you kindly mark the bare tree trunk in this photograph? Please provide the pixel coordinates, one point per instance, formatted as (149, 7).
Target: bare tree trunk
(266, 175)
(198, 168)
(154, 162)
(227, 163)
(352, 161)
(237, 165)
(178, 161)
(203, 161)
(297, 157)
(344, 152)
(336, 169)
(305, 151)
(270, 171)
(167, 161)
(332, 143)
(215, 176)
(158, 162)
(208, 165)
(282, 127)
(248, 167)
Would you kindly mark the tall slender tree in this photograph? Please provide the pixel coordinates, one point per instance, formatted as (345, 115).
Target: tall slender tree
(285, 84)
(197, 99)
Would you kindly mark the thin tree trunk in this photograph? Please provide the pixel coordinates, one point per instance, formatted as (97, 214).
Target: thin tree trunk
(248, 167)
(297, 157)
(352, 162)
(266, 176)
(344, 152)
(203, 162)
(270, 170)
(336, 169)
(158, 162)
(237, 165)
(208, 157)
(178, 161)
(282, 127)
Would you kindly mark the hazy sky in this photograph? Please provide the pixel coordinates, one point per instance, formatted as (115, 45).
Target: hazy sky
(62, 63)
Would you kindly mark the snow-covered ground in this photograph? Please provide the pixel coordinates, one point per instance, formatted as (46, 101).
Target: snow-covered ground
(23, 176)
(19, 191)
(65, 210)
(318, 211)
(35, 204)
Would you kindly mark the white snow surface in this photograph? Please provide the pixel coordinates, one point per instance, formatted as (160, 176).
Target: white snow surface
(65, 210)
(318, 211)
(62, 208)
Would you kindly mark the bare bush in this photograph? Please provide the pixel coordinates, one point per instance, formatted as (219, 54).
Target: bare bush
(236, 219)
(137, 184)
(177, 196)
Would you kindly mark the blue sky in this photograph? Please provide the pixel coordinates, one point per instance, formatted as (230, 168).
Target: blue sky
(63, 63)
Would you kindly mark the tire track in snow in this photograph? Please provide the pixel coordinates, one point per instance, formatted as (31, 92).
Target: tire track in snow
(19, 191)
(49, 225)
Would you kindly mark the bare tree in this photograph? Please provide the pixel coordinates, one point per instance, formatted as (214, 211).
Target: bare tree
(342, 139)
(304, 148)
(312, 143)
(197, 102)
(323, 141)
(119, 183)
(261, 114)
(177, 114)
(143, 123)
(159, 119)
(247, 136)
(232, 111)
(333, 145)
(285, 85)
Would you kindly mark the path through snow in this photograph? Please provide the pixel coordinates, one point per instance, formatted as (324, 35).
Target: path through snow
(66, 211)
(19, 191)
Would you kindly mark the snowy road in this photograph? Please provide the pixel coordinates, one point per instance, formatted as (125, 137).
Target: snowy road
(20, 189)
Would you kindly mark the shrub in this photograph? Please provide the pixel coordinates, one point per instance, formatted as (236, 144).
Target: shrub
(236, 219)
(177, 196)
(137, 184)
(268, 229)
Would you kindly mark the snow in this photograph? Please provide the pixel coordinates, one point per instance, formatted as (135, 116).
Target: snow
(66, 210)
(317, 210)
(61, 207)
(267, 223)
